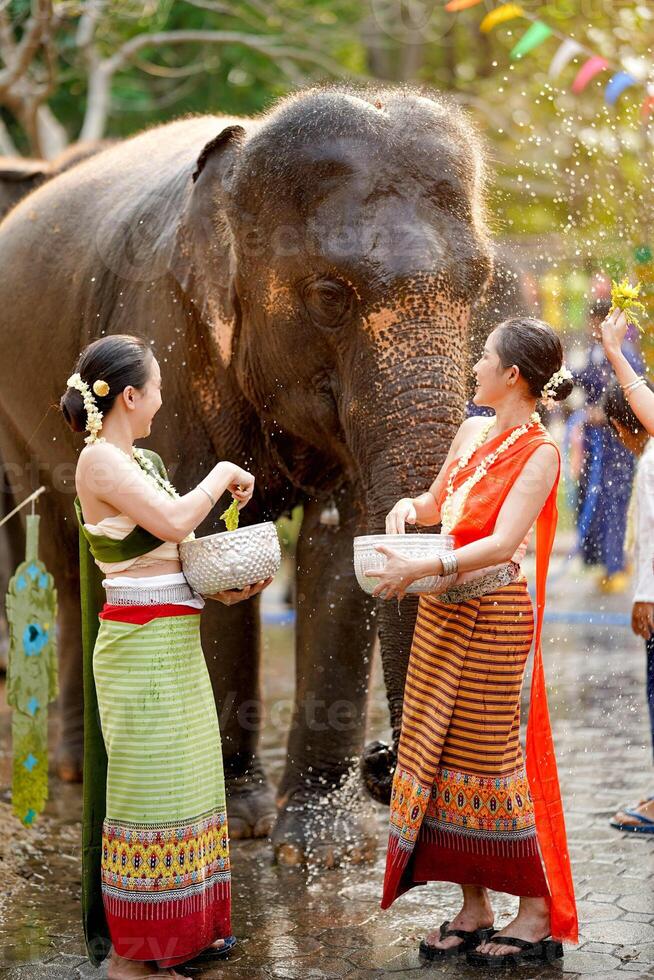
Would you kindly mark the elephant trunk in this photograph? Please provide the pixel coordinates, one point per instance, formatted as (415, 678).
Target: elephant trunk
(419, 407)
(396, 621)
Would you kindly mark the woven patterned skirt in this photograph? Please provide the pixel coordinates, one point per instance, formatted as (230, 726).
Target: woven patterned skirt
(461, 809)
(165, 856)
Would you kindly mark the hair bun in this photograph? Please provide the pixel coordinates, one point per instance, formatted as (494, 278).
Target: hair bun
(114, 362)
(564, 390)
(535, 348)
(72, 407)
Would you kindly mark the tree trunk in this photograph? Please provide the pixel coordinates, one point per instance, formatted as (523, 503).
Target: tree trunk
(7, 145)
(53, 138)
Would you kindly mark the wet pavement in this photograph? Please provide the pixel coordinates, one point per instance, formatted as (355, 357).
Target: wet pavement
(291, 923)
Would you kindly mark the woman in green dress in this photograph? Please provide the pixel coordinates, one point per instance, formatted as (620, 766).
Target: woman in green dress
(156, 886)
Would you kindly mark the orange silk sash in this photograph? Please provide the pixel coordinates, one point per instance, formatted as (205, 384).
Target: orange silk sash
(477, 520)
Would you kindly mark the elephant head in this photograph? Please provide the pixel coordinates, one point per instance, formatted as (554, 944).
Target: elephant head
(337, 245)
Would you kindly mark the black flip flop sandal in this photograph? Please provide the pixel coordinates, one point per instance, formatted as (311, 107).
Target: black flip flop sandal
(543, 951)
(213, 953)
(470, 939)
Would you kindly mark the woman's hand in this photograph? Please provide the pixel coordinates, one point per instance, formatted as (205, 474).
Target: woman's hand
(642, 619)
(231, 596)
(614, 331)
(241, 485)
(396, 576)
(404, 512)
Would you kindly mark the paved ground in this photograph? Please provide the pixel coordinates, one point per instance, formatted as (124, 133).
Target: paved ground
(291, 924)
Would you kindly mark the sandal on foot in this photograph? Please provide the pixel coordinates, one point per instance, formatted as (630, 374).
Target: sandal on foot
(469, 940)
(543, 951)
(212, 953)
(644, 825)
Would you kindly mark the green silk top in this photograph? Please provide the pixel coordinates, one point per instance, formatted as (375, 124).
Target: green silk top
(137, 542)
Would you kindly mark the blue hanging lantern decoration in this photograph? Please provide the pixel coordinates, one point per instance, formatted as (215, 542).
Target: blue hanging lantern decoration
(31, 604)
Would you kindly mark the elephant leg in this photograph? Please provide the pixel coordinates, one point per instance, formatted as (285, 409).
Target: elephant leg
(231, 643)
(70, 746)
(12, 552)
(395, 636)
(334, 641)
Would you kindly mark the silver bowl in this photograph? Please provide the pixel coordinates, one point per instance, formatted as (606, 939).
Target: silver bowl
(231, 559)
(408, 545)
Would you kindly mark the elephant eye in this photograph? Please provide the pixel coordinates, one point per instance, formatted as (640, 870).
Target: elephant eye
(327, 301)
(451, 199)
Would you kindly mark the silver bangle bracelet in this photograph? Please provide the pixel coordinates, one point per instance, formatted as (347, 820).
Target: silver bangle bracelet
(450, 564)
(633, 384)
(204, 490)
(632, 387)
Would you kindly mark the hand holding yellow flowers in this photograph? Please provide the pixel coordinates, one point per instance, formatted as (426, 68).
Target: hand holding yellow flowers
(624, 297)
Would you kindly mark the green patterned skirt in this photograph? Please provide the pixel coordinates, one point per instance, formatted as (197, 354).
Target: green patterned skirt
(165, 856)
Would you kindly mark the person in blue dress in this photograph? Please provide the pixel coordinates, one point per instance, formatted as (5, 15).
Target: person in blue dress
(607, 471)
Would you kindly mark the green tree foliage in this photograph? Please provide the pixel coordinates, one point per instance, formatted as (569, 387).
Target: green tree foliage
(562, 164)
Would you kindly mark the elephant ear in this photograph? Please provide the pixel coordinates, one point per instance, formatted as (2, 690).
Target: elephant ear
(203, 260)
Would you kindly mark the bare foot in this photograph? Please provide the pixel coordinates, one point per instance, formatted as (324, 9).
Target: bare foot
(123, 969)
(532, 924)
(644, 807)
(475, 914)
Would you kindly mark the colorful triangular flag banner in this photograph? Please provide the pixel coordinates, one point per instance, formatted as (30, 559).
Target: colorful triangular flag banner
(454, 5)
(587, 72)
(508, 11)
(616, 86)
(647, 107)
(569, 49)
(566, 51)
(537, 33)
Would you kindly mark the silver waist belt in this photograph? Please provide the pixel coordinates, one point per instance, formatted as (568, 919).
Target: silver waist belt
(481, 586)
(148, 595)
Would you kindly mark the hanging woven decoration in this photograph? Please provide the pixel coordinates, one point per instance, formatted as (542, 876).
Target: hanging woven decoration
(31, 604)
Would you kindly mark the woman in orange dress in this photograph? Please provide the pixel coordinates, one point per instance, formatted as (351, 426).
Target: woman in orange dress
(465, 807)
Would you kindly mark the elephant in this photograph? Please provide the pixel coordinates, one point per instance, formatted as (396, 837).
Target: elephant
(306, 278)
